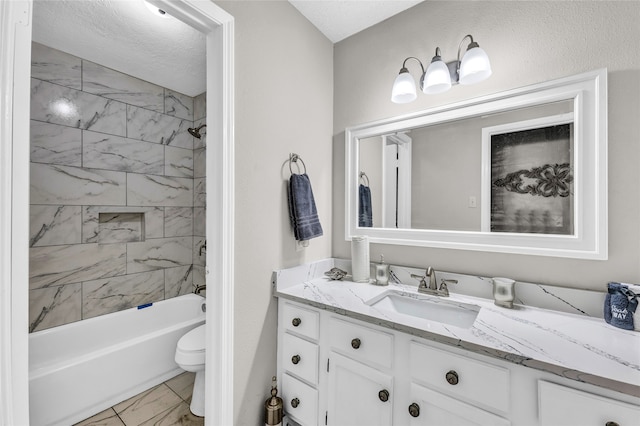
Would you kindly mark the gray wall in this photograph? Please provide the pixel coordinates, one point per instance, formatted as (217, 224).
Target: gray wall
(527, 42)
(112, 191)
(283, 103)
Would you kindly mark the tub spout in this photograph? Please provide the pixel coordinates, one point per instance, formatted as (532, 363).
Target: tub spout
(199, 288)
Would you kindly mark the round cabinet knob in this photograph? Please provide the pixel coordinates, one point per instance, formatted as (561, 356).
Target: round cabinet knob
(295, 402)
(355, 343)
(452, 377)
(611, 424)
(383, 395)
(296, 322)
(295, 359)
(414, 410)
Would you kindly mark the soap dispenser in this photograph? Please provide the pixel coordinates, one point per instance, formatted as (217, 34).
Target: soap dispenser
(382, 272)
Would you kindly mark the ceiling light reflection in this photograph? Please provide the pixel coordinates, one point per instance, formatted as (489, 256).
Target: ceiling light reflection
(65, 109)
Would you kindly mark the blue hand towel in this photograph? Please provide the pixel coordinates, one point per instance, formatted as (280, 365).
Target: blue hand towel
(365, 212)
(619, 305)
(302, 208)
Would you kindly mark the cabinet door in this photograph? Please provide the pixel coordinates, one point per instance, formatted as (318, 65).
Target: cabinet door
(428, 407)
(358, 394)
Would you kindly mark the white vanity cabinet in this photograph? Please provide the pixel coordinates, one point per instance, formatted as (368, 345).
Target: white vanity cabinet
(351, 372)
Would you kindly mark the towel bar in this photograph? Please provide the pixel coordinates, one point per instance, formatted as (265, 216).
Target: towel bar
(365, 178)
(293, 158)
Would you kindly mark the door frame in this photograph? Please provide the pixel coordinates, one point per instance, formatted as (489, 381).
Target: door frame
(15, 72)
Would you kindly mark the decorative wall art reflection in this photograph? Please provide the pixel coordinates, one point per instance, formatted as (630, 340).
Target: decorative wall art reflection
(532, 177)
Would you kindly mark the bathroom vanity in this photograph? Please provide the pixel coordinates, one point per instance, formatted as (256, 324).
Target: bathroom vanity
(360, 354)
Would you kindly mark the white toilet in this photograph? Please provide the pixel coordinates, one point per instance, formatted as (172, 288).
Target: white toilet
(190, 356)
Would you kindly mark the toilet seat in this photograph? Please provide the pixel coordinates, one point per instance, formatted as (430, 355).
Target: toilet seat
(190, 349)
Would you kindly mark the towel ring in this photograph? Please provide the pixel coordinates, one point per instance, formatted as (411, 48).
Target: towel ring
(364, 178)
(293, 158)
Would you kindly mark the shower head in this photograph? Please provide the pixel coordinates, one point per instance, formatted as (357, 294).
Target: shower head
(195, 131)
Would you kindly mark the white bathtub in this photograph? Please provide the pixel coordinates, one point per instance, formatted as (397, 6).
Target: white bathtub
(79, 369)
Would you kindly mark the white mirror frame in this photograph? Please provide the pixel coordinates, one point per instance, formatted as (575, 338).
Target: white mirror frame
(589, 94)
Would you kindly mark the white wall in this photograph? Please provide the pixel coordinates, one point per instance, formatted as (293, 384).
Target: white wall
(528, 42)
(284, 101)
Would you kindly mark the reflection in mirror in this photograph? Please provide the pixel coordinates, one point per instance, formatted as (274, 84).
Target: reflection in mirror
(386, 160)
(530, 181)
(522, 171)
(431, 177)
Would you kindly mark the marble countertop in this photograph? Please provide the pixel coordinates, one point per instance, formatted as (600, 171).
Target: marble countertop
(577, 347)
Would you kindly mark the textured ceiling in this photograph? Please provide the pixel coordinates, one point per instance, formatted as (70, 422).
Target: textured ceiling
(339, 19)
(126, 36)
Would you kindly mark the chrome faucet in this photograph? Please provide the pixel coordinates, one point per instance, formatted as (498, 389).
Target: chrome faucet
(432, 287)
(200, 288)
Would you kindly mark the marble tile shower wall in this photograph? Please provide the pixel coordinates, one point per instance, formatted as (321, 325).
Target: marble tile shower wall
(200, 190)
(117, 191)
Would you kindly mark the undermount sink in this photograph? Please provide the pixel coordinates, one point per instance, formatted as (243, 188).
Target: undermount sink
(427, 307)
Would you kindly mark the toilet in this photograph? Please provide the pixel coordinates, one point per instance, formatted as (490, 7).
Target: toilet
(190, 356)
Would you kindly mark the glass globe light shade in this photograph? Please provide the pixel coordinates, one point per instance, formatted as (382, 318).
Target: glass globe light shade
(437, 78)
(475, 66)
(404, 88)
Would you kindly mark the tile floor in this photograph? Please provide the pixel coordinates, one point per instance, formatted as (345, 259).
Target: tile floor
(164, 405)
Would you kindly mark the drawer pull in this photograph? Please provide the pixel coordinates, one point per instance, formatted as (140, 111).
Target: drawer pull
(295, 359)
(383, 395)
(414, 410)
(355, 343)
(296, 322)
(295, 402)
(611, 424)
(452, 377)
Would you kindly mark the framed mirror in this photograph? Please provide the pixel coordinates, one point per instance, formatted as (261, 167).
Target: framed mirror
(522, 171)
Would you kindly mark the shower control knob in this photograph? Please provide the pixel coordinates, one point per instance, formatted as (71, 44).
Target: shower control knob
(296, 322)
(355, 343)
(295, 402)
(452, 377)
(295, 359)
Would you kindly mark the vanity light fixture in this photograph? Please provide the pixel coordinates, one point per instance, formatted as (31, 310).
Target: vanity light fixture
(440, 76)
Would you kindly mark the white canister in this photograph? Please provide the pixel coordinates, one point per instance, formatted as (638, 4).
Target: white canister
(360, 258)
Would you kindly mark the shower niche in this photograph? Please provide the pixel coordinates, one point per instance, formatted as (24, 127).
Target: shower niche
(120, 227)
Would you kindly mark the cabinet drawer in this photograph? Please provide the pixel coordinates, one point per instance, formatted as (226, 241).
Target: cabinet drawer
(300, 358)
(430, 407)
(361, 343)
(560, 405)
(300, 400)
(298, 320)
(473, 380)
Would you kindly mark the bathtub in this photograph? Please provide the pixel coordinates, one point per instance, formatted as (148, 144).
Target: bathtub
(79, 369)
